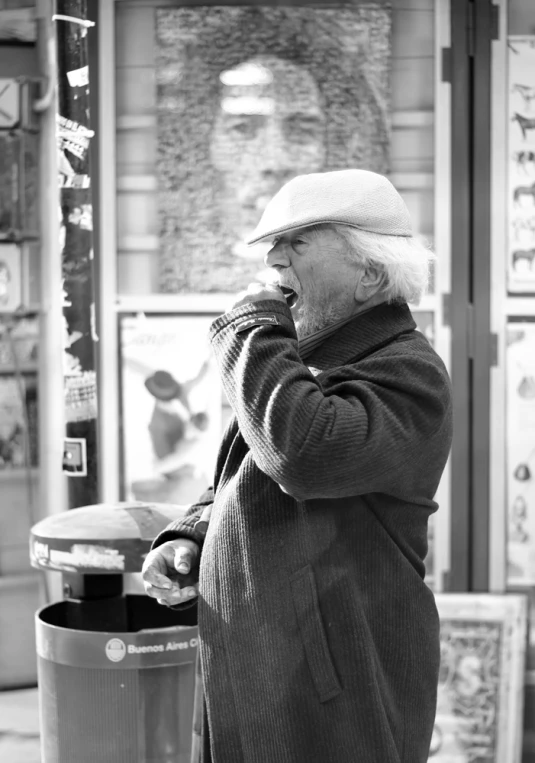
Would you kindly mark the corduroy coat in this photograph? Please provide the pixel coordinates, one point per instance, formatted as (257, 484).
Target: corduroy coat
(319, 638)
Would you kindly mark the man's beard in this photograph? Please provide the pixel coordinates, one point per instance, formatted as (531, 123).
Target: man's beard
(314, 318)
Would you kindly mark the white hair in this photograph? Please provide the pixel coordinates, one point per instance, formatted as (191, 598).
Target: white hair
(403, 260)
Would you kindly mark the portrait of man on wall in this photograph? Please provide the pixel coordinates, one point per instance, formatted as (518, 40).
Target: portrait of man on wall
(247, 98)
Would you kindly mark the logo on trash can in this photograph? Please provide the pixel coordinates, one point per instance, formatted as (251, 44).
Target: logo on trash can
(115, 650)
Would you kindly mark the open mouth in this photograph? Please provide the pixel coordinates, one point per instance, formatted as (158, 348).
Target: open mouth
(290, 296)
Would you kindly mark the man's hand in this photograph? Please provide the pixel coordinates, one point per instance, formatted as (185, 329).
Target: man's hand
(167, 572)
(256, 292)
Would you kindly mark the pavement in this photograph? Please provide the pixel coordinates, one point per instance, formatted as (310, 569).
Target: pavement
(19, 726)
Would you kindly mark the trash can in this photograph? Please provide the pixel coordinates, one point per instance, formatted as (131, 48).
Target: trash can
(116, 671)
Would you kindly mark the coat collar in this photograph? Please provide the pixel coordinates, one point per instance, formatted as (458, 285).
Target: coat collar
(363, 335)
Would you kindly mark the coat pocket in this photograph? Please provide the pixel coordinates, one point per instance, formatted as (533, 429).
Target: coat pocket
(305, 599)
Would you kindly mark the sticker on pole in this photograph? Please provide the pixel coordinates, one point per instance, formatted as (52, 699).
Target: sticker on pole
(79, 77)
(115, 650)
(75, 457)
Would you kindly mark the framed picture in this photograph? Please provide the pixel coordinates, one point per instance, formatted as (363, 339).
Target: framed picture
(171, 407)
(247, 98)
(18, 24)
(19, 342)
(9, 103)
(19, 152)
(480, 693)
(521, 142)
(18, 421)
(520, 452)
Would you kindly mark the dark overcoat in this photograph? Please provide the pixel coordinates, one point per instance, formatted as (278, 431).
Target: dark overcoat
(319, 637)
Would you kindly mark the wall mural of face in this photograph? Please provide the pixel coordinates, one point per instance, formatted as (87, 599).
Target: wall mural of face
(269, 128)
(248, 98)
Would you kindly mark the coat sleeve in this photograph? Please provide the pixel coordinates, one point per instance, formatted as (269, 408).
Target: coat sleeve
(185, 527)
(365, 427)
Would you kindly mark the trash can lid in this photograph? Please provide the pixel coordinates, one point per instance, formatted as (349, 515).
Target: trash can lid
(100, 539)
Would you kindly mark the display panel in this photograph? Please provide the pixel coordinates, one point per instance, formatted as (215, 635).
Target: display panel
(171, 407)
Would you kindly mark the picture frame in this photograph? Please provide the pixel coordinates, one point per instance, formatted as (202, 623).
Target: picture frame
(18, 420)
(520, 452)
(521, 165)
(19, 213)
(10, 277)
(480, 692)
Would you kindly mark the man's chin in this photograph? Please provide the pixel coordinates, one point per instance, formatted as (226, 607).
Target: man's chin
(299, 323)
(306, 328)
(308, 324)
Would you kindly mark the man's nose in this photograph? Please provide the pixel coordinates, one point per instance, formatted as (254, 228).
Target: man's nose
(278, 257)
(278, 160)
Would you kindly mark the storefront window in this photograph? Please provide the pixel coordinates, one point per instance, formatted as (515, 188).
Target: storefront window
(217, 107)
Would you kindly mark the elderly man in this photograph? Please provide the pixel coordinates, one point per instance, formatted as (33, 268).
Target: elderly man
(319, 639)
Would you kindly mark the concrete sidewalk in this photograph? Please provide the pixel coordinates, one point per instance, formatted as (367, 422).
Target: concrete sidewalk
(19, 726)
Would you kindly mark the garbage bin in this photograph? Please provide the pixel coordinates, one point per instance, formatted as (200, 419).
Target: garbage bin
(116, 671)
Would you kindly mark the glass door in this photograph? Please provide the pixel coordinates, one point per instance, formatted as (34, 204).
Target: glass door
(396, 120)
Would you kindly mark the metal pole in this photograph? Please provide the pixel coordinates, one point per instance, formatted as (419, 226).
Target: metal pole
(51, 426)
(481, 295)
(459, 578)
(105, 197)
(74, 133)
(50, 390)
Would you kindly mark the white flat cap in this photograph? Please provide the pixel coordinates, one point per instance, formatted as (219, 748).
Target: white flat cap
(358, 198)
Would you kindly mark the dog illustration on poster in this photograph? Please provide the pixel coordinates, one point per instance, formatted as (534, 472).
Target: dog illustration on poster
(525, 161)
(525, 124)
(523, 194)
(526, 92)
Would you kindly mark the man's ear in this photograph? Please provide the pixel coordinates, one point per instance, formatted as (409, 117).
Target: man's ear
(369, 283)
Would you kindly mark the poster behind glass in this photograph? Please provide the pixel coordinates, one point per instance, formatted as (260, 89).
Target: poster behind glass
(480, 690)
(520, 450)
(521, 144)
(171, 407)
(247, 98)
